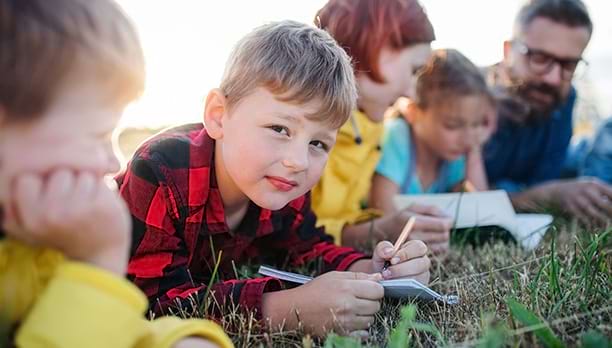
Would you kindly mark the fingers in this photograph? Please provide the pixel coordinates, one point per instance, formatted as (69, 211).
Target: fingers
(430, 237)
(590, 202)
(438, 248)
(598, 196)
(85, 187)
(57, 195)
(413, 249)
(365, 307)
(431, 228)
(382, 253)
(589, 211)
(360, 334)
(423, 278)
(430, 223)
(368, 290)
(409, 268)
(605, 189)
(360, 323)
(424, 210)
(410, 261)
(26, 202)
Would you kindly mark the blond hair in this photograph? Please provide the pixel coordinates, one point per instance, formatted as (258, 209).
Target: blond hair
(296, 62)
(45, 43)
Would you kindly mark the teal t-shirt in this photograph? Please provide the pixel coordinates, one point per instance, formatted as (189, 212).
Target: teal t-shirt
(397, 162)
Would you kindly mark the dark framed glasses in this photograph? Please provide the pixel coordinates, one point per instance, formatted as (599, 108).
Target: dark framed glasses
(541, 62)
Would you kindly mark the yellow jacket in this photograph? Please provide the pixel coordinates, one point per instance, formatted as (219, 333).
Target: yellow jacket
(341, 195)
(69, 304)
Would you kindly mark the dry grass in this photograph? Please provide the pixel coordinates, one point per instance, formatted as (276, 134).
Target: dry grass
(564, 285)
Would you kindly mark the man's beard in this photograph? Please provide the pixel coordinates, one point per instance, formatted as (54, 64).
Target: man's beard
(524, 91)
(535, 109)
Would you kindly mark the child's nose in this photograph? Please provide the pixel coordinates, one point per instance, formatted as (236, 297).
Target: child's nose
(296, 158)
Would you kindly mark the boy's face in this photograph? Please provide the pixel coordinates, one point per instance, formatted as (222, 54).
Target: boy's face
(451, 129)
(269, 151)
(74, 132)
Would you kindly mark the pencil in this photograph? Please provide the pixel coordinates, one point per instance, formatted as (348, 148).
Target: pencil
(401, 239)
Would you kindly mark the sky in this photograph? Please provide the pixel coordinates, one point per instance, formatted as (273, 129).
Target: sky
(186, 43)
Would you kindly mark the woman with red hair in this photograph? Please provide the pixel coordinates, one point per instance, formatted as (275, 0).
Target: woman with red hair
(388, 41)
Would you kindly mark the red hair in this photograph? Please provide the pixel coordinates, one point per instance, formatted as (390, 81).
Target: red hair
(364, 27)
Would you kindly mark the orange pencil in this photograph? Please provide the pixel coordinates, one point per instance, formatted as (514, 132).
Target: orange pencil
(401, 239)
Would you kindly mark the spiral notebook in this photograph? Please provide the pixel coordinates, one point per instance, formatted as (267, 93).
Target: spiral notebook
(394, 288)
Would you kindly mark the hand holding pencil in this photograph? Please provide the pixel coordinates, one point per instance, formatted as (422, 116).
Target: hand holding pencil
(402, 259)
(401, 239)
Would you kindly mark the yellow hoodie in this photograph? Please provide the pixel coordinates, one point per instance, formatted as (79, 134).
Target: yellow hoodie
(341, 195)
(60, 303)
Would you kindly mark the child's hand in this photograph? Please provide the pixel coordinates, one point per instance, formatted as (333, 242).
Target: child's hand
(76, 213)
(431, 226)
(410, 261)
(343, 301)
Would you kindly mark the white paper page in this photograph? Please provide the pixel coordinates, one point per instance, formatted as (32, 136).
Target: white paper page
(486, 208)
(395, 288)
(531, 228)
(469, 209)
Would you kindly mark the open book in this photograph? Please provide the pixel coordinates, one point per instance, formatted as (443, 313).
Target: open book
(486, 208)
(396, 288)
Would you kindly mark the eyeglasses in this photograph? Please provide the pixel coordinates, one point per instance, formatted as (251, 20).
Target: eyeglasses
(541, 62)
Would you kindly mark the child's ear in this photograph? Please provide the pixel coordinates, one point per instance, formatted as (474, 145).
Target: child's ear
(214, 112)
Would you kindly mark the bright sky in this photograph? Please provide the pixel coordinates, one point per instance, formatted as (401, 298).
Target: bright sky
(186, 43)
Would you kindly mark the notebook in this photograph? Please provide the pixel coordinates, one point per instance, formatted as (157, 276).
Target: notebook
(394, 288)
(485, 208)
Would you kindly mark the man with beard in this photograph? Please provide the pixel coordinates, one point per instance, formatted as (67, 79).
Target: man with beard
(536, 100)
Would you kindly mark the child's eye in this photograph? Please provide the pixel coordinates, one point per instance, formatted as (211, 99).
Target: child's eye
(320, 145)
(280, 129)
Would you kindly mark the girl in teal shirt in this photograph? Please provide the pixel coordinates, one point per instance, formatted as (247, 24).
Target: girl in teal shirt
(434, 145)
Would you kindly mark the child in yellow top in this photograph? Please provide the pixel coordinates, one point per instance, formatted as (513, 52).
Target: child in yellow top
(68, 69)
(388, 41)
(434, 146)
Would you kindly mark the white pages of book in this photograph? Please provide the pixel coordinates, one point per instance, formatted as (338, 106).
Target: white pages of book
(486, 208)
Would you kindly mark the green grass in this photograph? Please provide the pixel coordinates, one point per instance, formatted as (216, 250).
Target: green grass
(558, 295)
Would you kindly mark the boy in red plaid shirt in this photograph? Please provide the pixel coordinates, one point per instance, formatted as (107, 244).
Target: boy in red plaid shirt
(240, 182)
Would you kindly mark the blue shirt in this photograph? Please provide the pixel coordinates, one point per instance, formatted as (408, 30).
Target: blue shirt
(598, 159)
(519, 156)
(397, 162)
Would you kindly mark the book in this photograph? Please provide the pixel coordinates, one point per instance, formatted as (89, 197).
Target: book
(394, 288)
(485, 208)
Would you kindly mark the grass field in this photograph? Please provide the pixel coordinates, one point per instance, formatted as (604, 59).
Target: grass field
(558, 295)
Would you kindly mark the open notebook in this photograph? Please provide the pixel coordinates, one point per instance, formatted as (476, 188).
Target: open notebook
(396, 288)
(486, 208)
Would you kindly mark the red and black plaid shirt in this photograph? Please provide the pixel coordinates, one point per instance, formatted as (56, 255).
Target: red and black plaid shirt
(179, 227)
